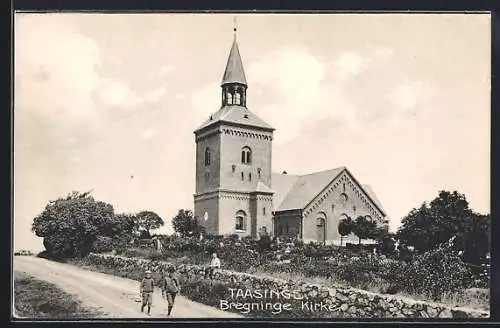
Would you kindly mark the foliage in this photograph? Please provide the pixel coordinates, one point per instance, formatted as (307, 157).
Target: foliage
(147, 221)
(345, 227)
(186, 225)
(436, 272)
(385, 240)
(363, 228)
(446, 216)
(70, 225)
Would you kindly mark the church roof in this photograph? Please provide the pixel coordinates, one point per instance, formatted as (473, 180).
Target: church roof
(262, 187)
(305, 188)
(296, 191)
(234, 72)
(373, 196)
(236, 115)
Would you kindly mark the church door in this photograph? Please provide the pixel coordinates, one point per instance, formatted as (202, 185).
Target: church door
(321, 230)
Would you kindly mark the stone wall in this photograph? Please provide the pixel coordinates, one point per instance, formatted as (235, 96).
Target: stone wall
(304, 300)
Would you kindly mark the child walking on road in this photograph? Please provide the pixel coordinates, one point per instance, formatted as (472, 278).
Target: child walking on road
(146, 290)
(170, 288)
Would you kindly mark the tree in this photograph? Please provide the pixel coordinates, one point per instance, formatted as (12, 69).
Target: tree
(186, 225)
(363, 228)
(446, 216)
(71, 225)
(146, 221)
(345, 227)
(385, 240)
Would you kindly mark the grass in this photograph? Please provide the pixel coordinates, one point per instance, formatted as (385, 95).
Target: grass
(36, 299)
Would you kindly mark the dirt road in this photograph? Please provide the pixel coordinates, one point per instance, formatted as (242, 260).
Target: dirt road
(115, 297)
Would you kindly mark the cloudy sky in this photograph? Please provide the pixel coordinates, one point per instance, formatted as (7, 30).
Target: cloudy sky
(109, 103)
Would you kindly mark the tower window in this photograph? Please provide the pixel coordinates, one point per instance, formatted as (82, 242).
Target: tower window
(237, 98)
(229, 97)
(242, 176)
(249, 176)
(258, 172)
(233, 168)
(246, 155)
(240, 221)
(333, 207)
(207, 156)
(263, 211)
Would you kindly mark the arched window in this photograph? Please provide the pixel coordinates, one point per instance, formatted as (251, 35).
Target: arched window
(207, 156)
(237, 98)
(240, 220)
(246, 155)
(343, 199)
(369, 218)
(229, 98)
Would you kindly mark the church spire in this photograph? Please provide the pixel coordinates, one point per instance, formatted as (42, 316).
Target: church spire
(234, 83)
(234, 72)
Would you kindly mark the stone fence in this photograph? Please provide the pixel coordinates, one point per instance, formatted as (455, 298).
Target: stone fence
(319, 301)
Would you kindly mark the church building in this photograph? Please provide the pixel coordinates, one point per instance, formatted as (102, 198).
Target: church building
(237, 192)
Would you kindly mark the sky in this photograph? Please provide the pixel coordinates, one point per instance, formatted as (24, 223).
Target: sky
(109, 103)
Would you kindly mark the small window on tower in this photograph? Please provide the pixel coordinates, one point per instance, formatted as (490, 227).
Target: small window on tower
(246, 155)
(333, 207)
(237, 98)
(229, 98)
(233, 168)
(242, 176)
(258, 172)
(249, 176)
(263, 211)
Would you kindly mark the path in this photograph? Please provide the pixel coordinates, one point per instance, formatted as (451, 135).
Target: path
(113, 296)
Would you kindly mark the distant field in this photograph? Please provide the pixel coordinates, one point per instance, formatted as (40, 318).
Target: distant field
(35, 299)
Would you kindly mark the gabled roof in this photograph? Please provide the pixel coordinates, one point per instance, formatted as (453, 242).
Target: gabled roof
(296, 192)
(237, 115)
(305, 188)
(282, 184)
(234, 72)
(373, 196)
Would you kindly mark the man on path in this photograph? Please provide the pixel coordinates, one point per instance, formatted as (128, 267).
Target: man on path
(214, 264)
(146, 291)
(170, 287)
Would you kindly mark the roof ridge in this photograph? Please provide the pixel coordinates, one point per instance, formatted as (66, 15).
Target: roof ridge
(324, 171)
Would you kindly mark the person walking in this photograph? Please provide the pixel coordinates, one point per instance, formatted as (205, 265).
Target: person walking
(146, 291)
(170, 288)
(214, 264)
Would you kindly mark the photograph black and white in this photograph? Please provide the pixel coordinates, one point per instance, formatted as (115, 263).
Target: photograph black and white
(251, 165)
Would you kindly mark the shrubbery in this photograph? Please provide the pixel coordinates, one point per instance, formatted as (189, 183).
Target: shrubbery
(430, 274)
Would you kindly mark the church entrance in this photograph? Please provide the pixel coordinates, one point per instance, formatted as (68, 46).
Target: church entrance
(321, 230)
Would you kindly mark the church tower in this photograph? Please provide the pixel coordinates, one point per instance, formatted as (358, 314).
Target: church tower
(233, 161)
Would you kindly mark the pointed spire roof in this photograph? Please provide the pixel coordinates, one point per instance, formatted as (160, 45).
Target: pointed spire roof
(234, 72)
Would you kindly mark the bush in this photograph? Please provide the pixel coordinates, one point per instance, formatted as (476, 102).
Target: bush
(435, 273)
